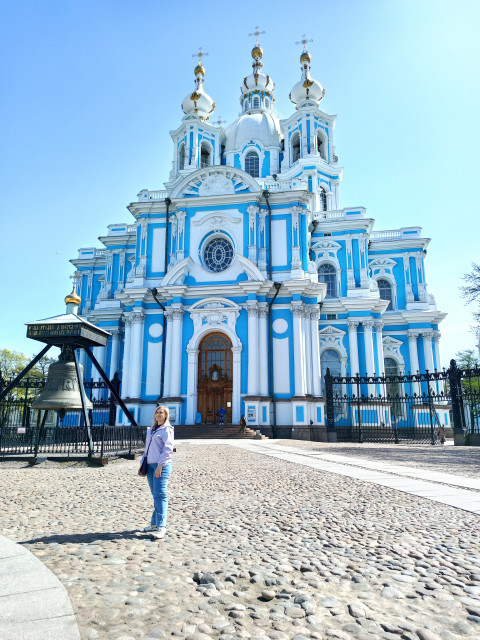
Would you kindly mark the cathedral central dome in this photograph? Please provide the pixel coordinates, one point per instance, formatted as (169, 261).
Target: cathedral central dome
(261, 127)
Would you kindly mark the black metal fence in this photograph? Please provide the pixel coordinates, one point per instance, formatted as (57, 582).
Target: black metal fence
(23, 432)
(409, 408)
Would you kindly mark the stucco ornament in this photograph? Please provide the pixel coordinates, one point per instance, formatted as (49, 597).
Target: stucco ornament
(215, 185)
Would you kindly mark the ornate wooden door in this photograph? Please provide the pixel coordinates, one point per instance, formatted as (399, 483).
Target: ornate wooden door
(214, 378)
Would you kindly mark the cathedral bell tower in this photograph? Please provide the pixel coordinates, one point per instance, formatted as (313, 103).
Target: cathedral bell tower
(197, 143)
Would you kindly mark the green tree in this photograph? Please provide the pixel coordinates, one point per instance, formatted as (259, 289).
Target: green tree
(471, 292)
(468, 359)
(11, 363)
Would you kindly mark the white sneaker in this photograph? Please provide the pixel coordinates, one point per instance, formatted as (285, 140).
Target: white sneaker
(149, 528)
(159, 533)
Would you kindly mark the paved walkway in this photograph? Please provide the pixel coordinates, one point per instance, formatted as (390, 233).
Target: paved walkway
(453, 490)
(350, 553)
(34, 604)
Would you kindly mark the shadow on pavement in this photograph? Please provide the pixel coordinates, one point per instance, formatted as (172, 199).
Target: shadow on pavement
(77, 538)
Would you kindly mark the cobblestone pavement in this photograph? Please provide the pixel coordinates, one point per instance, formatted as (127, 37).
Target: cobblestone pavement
(463, 461)
(256, 548)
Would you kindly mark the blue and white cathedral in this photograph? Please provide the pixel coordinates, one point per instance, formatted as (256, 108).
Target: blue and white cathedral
(243, 280)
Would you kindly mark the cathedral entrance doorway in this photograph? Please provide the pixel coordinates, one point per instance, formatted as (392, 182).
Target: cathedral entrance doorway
(215, 381)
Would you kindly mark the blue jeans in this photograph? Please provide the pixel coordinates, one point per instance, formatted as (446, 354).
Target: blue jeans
(158, 487)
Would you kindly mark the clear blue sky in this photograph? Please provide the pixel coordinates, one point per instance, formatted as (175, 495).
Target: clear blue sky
(91, 88)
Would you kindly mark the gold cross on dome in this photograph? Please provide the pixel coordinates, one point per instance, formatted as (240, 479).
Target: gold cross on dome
(220, 121)
(200, 55)
(256, 33)
(304, 41)
(75, 278)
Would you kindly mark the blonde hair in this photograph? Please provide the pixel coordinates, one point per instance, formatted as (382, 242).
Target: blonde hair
(167, 416)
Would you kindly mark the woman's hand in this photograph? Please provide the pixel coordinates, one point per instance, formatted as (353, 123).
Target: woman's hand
(139, 470)
(158, 471)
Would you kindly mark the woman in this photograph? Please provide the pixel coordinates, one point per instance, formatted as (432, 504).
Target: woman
(159, 449)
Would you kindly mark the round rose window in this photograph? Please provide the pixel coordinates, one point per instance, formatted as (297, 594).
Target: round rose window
(218, 255)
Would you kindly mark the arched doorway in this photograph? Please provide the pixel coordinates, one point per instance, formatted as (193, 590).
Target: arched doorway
(214, 388)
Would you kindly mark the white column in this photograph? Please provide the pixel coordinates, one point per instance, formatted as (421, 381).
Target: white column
(298, 354)
(176, 362)
(263, 349)
(369, 353)
(427, 349)
(136, 354)
(192, 381)
(236, 373)
(413, 351)
(167, 377)
(307, 337)
(353, 347)
(436, 344)
(114, 352)
(381, 363)
(252, 388)
(315, 343)
(126, 355)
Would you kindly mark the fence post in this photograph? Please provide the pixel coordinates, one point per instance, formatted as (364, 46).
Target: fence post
(430, 407)
(359, 417)
(25, 402)
(330, 413)
(455, 383)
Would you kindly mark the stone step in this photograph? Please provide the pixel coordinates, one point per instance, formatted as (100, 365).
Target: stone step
(212, 431)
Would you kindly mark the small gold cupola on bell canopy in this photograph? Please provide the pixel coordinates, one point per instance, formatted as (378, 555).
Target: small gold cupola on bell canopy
(73, 300)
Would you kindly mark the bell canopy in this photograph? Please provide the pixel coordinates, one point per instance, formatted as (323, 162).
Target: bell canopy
(306, 90)
(199, 103)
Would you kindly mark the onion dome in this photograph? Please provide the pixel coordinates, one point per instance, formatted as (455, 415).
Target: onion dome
(73, 298)
(307, 90)
(198, 103)
(257, 82)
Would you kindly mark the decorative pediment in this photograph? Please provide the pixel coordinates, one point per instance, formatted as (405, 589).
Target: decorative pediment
(382, 267)
(331, 331)
(391, 349)
(332, 338)
(214, 313)
(178, 273)
(214, 303)
(216, 181)
(326, 245)
(326, 249)
(216, 221)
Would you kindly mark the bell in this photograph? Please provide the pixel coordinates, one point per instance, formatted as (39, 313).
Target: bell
(62, 390)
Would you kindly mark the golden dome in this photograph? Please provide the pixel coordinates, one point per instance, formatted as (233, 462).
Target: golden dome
(305, 57)
(73, 298)
(199, 69)
(257, 52)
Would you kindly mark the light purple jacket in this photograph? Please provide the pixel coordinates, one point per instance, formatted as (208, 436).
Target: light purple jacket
(161, 448)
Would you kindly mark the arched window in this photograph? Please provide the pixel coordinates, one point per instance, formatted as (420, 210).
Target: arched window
(295, 147)
(267, 103)
(204, 156)
(256, 102)
(330, 359)
(245, 104)
(181, 157)
(320, 146)
(328, 274)
(323, 199)
(385, 290)
(215, 357)
(252, 164)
